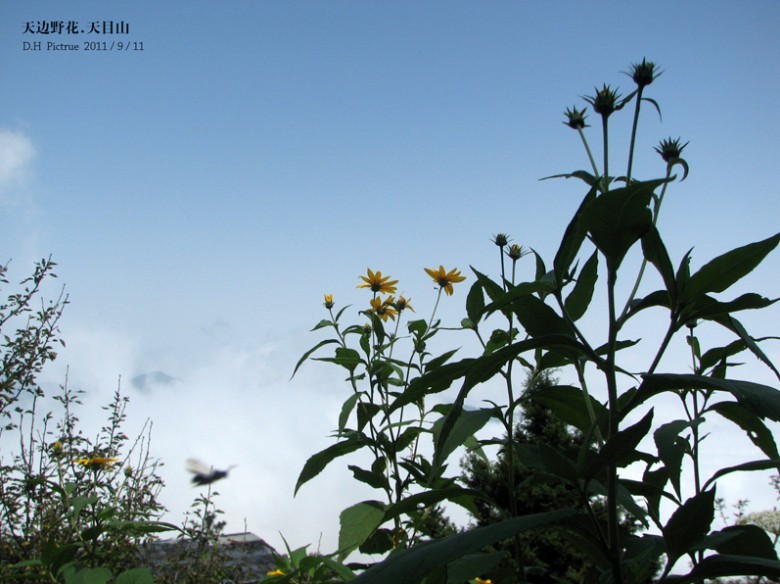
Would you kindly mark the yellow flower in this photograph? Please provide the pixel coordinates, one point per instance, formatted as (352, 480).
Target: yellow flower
(402, 304)
(276, 572)
(383, 308)
(445, 279)
(481, 581)
(96, 462)
(328, 301)
(378, 283)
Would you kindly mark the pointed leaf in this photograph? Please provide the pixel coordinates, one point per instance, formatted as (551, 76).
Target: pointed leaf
(773, 464)
(467, 424)
(723, 271)
(572, 239)
(689, 524)
(358, 522)
(617, 219)
(411, 565)
(578, 301)
(317, 463)
(761, 400)
(755, 429)
(655, 253)
(310, 351)
(671, 449)
(721, 566)
(619, 447)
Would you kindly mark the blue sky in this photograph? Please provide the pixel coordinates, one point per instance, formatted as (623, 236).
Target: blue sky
(202, 194)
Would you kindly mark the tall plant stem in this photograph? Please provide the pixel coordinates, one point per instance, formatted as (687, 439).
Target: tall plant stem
(590, 154)
(612, 482)
(605, 131)
(633, 135)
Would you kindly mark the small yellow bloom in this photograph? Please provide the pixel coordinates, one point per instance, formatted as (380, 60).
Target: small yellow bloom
(383, 308)
(328, 301)
(97, 462)
(481, 581)
(445, 279)
(402, 304)
(276, 572)
(378, 283)
(57, 447)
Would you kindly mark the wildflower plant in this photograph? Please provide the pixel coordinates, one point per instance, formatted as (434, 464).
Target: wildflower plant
(528, 328)
(70, 506)
(383, 353)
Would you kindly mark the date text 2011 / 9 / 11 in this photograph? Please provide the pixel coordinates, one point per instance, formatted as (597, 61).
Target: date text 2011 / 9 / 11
(85, 46)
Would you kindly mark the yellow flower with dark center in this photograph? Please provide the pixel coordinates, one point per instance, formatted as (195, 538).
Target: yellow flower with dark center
(328, 301)
(402, 304)
(378, 283)
(383, 308)
(444, 278)
(97, 462)
(276, 572)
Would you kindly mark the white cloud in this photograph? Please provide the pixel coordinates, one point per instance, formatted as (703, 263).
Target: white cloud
(16, 154)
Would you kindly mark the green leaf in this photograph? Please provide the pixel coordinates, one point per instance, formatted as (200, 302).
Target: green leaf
(689, 524)
(433, 381)
(347, 358)
(671, 449)
(89, 576)
(746, 540)
(309, 352)
(548, 460)
(411, 565)
(755, 429)
(376, 480)
(572, 239)
(317, 463)
(723, 271)
(464, 569)
(467, 424)
(475, 303)
(617, 219)
(538, 318)
(358, 522)
(346, 410)
(745, 466)
(578, 301)
(135, 576)
(620, 447)
(735, 326)
(761, 400)
(429, 498)
(655, 252)
(487, 366)
(721, 566)
(568, 404)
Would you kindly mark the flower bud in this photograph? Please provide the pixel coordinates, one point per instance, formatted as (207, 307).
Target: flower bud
(605, 102)
(644, 73)
(516, 252)
(670, 149)
(500, 239)
(575, 118)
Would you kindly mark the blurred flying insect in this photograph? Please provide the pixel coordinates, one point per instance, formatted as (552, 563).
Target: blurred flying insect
(205, 474)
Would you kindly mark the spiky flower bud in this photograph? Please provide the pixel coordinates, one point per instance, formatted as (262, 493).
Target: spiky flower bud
(575, 118)
(500, 239)
(670, 149)
(644, 73)
(605, 102)
(516, 252)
